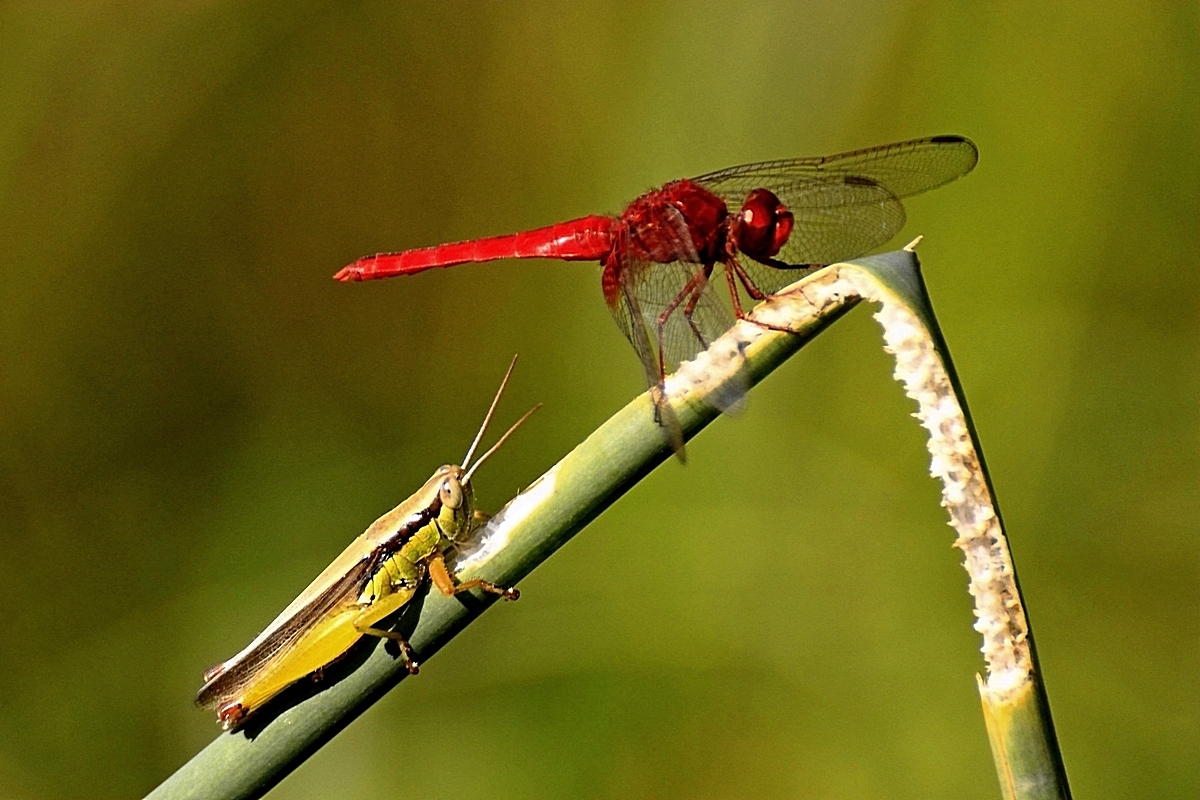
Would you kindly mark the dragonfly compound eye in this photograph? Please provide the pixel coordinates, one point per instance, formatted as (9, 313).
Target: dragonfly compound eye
(763, 225)
(451, 494)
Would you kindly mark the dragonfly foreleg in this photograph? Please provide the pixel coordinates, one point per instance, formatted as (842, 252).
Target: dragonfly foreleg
(752, 290)
(731, 267)
(735, 296)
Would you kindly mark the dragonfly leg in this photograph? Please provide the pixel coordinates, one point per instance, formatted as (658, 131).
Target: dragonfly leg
(690, 309)
(732, 267)
(734, 295)
(752, 290)
(691, 293)
(447, 582)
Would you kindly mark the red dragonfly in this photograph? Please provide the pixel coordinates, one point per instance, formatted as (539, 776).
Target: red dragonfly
(766, 224)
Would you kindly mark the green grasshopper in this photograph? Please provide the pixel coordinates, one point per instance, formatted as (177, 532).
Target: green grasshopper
(372, 579)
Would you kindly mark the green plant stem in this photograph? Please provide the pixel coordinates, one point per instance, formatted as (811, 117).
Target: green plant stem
(1016, 706)
(248, 762)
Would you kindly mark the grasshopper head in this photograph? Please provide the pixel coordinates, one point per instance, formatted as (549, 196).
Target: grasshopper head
(457, 499)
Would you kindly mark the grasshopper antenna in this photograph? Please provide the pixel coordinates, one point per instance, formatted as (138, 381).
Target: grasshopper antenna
(488, 418)
(496, 446)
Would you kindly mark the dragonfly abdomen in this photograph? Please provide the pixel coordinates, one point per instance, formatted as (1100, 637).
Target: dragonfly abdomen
(584, 239)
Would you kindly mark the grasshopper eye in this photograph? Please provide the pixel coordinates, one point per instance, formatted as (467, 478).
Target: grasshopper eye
(451, 494)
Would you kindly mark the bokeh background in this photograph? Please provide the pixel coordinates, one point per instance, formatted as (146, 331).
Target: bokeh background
(194, 419)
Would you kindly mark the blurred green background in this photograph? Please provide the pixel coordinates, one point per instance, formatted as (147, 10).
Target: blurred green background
(194, 419)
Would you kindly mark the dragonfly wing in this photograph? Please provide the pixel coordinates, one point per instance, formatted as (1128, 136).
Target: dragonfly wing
(904, 168)
(846, 204)
(627, 311)
(678, 308)
(666, 307)
(833, 222)
(669, 313)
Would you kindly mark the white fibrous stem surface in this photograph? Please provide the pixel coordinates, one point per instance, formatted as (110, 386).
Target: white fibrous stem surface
(1000, 619)
(497, 532)
(714, 376)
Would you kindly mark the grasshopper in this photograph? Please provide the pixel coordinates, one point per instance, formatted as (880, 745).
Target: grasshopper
(372, 579)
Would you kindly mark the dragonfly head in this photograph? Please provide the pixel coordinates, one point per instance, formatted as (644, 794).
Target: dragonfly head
(763, 225)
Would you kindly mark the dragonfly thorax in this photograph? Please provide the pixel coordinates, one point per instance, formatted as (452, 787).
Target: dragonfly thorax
(682, 221)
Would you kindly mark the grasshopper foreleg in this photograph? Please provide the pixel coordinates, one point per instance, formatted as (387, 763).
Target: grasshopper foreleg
(447, 582)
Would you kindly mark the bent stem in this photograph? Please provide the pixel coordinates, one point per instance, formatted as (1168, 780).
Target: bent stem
(248, 762)
(1016, 708)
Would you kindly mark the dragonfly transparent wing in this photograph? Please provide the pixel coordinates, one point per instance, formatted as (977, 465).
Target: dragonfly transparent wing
(667, 310)
(845, 204)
